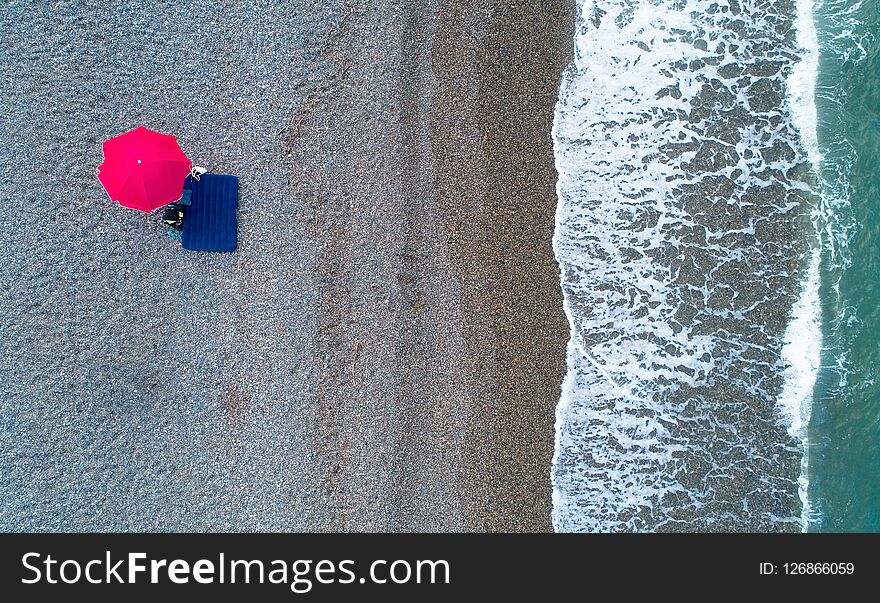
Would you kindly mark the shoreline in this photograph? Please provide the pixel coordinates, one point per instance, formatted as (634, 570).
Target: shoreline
(505, 258)
(475, 312)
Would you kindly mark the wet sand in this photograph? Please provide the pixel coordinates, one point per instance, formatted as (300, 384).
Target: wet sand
(502, 223)
(385, 349)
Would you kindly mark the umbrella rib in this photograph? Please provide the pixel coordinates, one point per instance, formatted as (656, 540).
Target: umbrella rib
(144, 188)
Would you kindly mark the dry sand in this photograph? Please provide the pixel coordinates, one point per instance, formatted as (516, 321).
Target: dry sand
(385, 349)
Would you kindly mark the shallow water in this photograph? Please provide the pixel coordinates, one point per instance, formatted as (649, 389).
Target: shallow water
(685, 241)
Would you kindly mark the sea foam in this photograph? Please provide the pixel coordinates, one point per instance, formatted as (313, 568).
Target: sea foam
(803, 338)
(801, 357)
(680, 234)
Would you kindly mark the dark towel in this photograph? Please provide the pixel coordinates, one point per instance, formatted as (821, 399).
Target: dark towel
(211, 222)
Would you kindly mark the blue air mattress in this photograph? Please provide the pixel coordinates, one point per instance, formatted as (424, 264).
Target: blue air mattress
(210, 223)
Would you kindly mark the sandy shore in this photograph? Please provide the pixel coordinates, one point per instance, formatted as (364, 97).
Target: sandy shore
(385, 349)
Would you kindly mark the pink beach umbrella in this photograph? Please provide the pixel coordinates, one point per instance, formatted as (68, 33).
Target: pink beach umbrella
(143, 169)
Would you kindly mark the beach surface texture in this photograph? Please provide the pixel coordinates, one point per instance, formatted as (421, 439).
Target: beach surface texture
(385, 349)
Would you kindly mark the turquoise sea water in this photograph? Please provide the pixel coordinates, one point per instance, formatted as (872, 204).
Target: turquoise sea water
(844, 433)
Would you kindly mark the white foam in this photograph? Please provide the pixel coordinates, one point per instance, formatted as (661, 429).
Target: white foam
(650, 242)
(801, 83)
(801, 354)
(801, 358)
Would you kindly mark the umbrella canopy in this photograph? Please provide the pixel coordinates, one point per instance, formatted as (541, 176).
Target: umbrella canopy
(143, 169)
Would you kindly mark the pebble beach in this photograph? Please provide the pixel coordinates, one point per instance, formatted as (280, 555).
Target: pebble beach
(384, 350)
